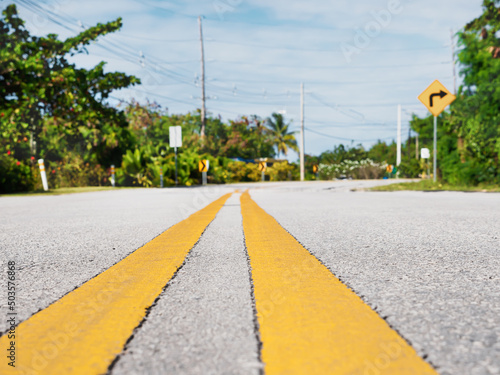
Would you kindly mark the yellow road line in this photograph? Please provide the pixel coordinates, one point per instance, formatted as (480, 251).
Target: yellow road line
(84, 331)
(311, 323)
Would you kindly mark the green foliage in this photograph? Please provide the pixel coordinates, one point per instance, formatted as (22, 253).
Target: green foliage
(363, 169)
(430, 185)
(469, 135)
(282, 171)
(472, 150)
(341, 153)
(72, 170)
(410, 169)
(281, 137)
(134, 168)
(244, 138)
(244, 172)
(383, 152)
(51, 109)
(14, 175)
(48, 107)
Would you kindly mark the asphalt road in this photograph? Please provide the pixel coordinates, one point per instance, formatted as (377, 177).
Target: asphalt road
(428, 263)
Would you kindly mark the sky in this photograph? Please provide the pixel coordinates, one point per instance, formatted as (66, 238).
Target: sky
(357, 59)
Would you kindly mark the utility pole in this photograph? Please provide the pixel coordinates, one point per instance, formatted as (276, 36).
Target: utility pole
(302, 170)
(398, 156)
(408, 144)
(203, 108)
(453, 62)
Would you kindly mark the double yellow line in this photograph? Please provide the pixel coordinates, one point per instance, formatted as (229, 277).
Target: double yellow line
(309, 322)
(83, 332)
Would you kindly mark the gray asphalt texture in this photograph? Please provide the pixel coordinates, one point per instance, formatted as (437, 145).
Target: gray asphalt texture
(203, 323)
(60, 242)
(427, 262)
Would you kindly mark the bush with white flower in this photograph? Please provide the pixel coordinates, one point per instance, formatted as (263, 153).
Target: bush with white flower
(363, 170)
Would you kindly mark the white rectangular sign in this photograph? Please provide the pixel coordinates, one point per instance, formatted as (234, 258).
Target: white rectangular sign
(425, 153)
(175, 133)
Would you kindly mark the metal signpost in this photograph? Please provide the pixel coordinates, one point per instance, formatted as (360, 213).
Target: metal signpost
(262, 168)
(203, 167)
(436, 98)
(175, 133)
(425, 154)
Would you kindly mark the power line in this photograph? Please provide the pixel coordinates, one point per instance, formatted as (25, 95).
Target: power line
(274, 47)
(346, 126)
(323, 82)
(346, 139)
(345, 111)
(122, 50)
(253, 63)
(164, 97)
(155, 5)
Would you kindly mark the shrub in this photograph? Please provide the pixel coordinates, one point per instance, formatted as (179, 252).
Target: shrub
(15, 175)
(73, 171)
(364, 169)
(243, 172)
(282, 171)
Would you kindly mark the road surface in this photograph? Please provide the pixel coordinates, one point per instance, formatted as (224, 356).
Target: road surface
(287, 278)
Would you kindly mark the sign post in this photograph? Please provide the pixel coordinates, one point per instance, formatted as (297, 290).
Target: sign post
(175, 133)
(262, 168)
(436, 98)
(43, 175)
(203, 166)
(425, 154)
(316, 170)
(113, 181)
(434, 149)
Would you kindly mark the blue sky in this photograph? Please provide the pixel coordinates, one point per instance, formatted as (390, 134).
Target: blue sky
(357, 59)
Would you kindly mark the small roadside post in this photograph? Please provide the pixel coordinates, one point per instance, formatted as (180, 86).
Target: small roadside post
(175, 133)
(203, 167)
(113, 181)
(43, 174)
(161, 177)
(262, 168)
(425, 154)
(436, 98)
(316, 170)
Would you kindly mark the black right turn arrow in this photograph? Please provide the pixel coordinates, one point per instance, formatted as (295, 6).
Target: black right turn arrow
(442, 94)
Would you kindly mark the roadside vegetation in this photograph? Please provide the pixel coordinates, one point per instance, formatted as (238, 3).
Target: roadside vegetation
(51, 109)
(428, 185)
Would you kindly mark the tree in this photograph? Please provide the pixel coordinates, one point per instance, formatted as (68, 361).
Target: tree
(475, 117)
(341, 153)
(469, 135)
(383, 152)
(47, 100)
(280, 136)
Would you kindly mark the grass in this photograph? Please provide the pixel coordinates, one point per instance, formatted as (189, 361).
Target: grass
(63, 191)
(429, 185)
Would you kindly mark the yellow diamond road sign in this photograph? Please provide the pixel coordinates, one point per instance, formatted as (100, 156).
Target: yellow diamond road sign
(203, 165)
(436, 98)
